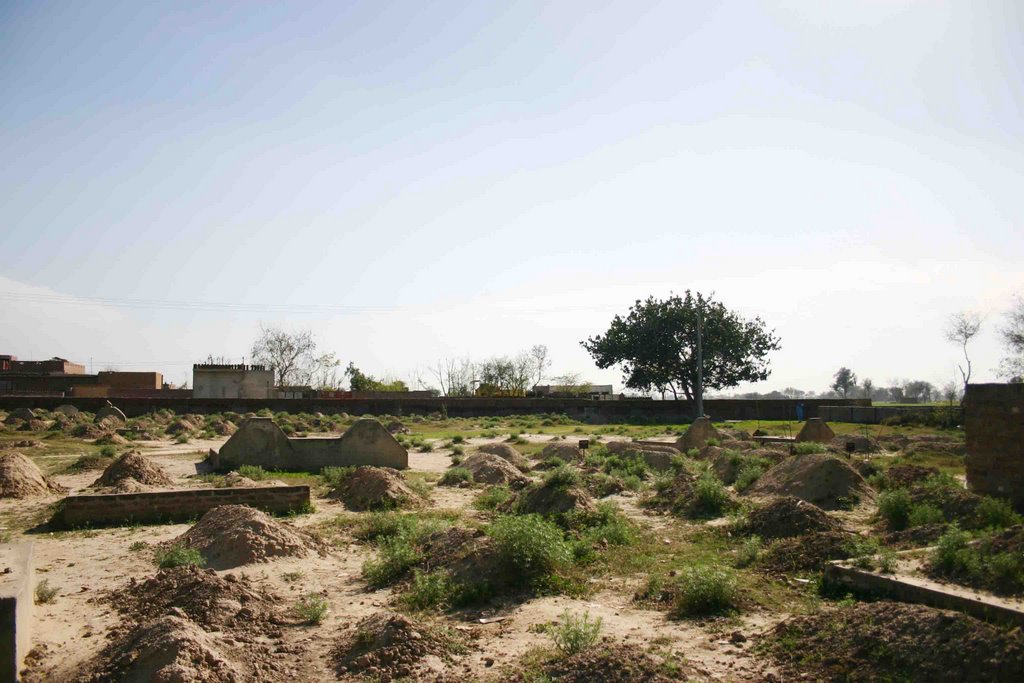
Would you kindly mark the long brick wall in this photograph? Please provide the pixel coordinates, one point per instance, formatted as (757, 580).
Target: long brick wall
(994, 424)
(662, 412)
(167, 506)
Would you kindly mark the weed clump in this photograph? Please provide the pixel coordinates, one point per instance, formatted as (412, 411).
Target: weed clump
(704, 589)
(575, 632)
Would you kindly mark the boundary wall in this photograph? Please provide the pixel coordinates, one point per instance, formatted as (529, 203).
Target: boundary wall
(624, 410)
(873, 415)
(167, 506)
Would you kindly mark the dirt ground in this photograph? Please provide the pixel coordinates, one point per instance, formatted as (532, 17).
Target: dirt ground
(85, 566)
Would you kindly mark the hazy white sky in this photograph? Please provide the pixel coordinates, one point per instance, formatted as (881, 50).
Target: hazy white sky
(419, 180)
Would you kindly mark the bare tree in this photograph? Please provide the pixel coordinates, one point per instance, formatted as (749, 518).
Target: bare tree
(457, 377)
(293, 358)
(541, 362)
(961, 329)
(1012, 367)
(868, 386)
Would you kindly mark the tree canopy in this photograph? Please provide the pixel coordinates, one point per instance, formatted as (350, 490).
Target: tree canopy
(655, 344)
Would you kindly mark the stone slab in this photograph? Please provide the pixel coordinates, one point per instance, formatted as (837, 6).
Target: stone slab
(17, 587)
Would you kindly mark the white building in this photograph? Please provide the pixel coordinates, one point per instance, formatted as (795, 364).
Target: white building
(232, 381)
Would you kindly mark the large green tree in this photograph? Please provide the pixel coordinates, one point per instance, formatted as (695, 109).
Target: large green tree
(656, 345)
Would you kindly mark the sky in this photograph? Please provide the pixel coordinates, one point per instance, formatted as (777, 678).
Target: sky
(416, 181)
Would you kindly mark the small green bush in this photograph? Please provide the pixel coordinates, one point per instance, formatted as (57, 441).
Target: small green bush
(709, 496)
(458, 438)
(924, 513)
(335, 476)
(397, 554)
(575, 633)
(458, 452)
(179, 556)
(426, 447)
(429, 590)
(492, 498)
(997, 513)
(454, 476)
(181, 438)
(254, 472)
(311, 608)
(808, 447)
(562, 477)
(894, 508)
(108, 451)
(705, 589)
(749, 551)
(748, 476)
(951, 554)
(531, 546)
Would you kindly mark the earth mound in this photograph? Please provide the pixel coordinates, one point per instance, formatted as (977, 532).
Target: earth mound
(566, 451)
(110, 439)
(215, 602)
(180, 426)
(788, 516)
(610, 662)
(21, 478)
(905, 476)
(503, 450)
(169, 649)
(135, 466)
(490, 469)
(681, 496)
(233, 535)
(548, 500)
(826, 481)
(87, 430)
(224, 428)
(375, 488)
(808, 553)
(895, 641)
(236, 480)
(389, 646)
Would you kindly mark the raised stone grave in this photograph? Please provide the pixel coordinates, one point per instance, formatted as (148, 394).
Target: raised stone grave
(816, 430)
(697, 435)
(259, 441)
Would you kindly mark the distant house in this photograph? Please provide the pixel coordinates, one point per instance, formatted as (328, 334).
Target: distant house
(601, 392)
(296, 392)
(213, 380)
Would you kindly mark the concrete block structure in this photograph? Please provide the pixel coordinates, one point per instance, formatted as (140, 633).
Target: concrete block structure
(259, 441)
(210, 380)
(17, 586)
(994, 424)
(162, 506)
(817, 431)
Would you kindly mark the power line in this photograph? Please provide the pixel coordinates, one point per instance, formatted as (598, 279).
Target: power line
(239, 307)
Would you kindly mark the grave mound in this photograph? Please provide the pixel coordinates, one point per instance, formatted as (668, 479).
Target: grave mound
(22, 478)
(491, 469)
(566, 451)
(788, 516)
(807, 553)
(390, 646)
(375, 488)
(167, 649)
(609, 662)
(233, 535)
(134, 466)
(503, 450)
(216, 602)
(824, 480)
(895, 641)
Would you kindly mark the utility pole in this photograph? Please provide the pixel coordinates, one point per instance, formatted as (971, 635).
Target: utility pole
(699, 389)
